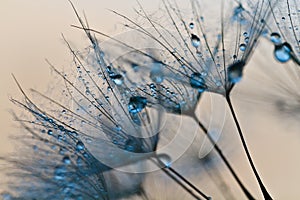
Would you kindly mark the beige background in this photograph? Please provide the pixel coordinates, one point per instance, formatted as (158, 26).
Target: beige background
(31, 31)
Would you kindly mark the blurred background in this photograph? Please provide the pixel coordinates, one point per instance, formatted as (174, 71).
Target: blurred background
(31, 32)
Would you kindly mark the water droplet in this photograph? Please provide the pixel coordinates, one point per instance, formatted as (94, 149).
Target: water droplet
(198, 82)
(66, 160)
(192, 25)
(117, 79)
(152, 86)
(156, 73)
(235, 71)
(135, 67)
(118, 128)
(50, 132)
(137, 104)
(275, 38)
(243, 47)
(283, 52)
(195, 41)
(79, 146)
(245, 34)
(204, 73)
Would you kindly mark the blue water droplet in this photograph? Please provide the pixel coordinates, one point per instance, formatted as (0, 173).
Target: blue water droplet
(137, 104)
(275, 38)
(152, 86)
(235, 71)
(135, 67)
(242, 47)
(195, 41)
(198, 82)
(50, 132)
(283, 52)
(192, 25)
(66, 160)
(117, 79)
(79, 146)
(118, 128)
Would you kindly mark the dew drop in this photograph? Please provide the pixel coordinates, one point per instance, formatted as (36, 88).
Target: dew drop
(235, 71)
(135, 67)
(136, 104)
(242, 47)
(192, 25)
(275, 38)
(66, 160)
(117, 79)
(198, 82)
(283, 52)
(50, 132)
(79, 146)
(195, 41)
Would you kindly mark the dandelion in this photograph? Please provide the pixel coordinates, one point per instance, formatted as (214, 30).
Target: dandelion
(115, 100)
(78, 144)
(205, 62)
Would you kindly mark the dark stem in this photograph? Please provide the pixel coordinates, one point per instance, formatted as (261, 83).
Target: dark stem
(263, 189)
(219, 151)
(188, 183)
(172, 173)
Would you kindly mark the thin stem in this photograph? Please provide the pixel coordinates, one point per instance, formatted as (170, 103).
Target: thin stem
(176, 176)
(188, 183)
(263, 189)
(219, 151)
